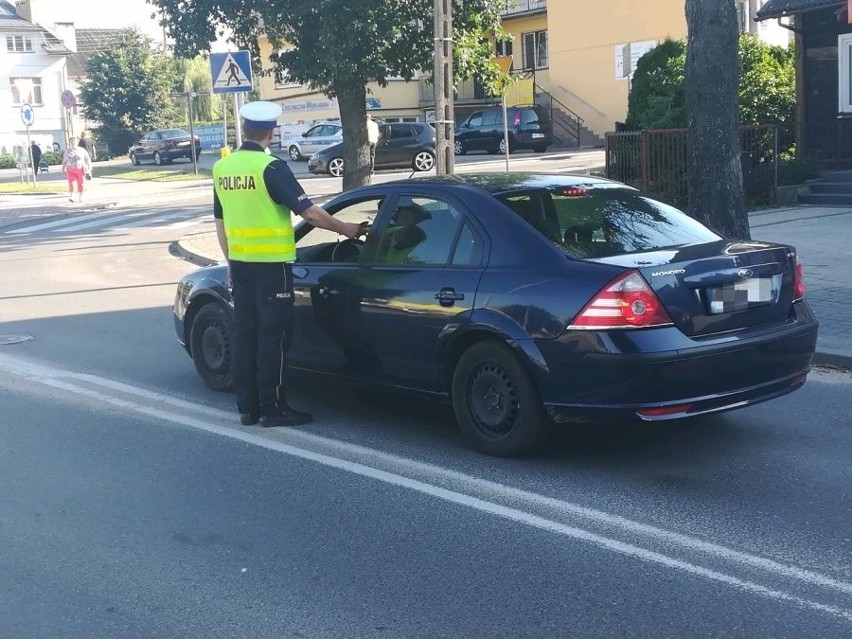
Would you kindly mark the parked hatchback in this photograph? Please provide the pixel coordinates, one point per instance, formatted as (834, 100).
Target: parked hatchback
(163, 146)
(529, 128)
(401, 144)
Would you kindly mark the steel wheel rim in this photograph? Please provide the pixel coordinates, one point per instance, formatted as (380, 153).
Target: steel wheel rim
(215, 347)
(424, 161)
(335, 167)
(492, 400)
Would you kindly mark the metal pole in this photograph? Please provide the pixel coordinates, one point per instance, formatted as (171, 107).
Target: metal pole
(443, 82)
(239, 132)
(30, 154)
(225, 118)
(194, 156)
(506, 128)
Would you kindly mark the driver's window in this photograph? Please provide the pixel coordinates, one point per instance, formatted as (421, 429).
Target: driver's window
(312, 132)
(317, 244)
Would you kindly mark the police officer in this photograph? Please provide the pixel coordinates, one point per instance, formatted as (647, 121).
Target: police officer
(254, 194)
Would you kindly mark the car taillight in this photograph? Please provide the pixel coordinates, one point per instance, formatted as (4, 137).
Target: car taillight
(798, 281)
(626, 302)
(517, 118)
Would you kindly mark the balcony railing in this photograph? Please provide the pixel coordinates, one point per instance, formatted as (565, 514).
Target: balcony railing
(467, 91)
(525, 6)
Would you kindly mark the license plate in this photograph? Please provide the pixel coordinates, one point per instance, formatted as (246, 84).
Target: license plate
(741, 295)
(538, 135)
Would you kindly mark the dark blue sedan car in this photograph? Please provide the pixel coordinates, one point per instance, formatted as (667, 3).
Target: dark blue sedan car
(528, 300)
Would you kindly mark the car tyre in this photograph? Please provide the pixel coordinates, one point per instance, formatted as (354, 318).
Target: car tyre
(423, 161)
(294, 154)
(502, 147)
(496, 403)
(458, 148)
(211, 343)
(541, 148)
(134, 159)
(335, 167)
(158, 159)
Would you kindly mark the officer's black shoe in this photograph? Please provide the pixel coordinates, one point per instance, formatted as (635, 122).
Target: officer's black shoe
(286, 417)
(249, 419)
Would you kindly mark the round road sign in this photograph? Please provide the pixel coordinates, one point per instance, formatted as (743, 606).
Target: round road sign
(27, 114)
(67, 99)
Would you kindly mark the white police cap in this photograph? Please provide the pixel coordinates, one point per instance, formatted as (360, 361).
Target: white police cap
(261, 114)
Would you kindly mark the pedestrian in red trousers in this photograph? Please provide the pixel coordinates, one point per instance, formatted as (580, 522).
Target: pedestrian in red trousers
(76, 164)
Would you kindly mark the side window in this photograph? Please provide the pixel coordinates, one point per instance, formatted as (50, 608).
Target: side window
(475, 120)
(492, 118)
(400, 131)
(316, 244)
(421, 231)
(312, 132)
(469, 248)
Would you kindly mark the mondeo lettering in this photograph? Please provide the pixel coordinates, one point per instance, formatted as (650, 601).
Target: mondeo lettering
(677, 271)
(237, 183)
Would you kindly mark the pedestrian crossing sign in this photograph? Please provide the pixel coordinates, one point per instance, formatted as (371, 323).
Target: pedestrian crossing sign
(231, 72)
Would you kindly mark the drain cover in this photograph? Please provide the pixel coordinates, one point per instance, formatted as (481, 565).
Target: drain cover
(5, 340)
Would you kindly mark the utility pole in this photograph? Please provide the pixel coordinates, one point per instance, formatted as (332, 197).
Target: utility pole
(443, 77)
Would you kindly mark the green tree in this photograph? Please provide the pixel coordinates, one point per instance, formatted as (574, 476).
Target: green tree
(196, 79)
(656, 99)
(337, 46)
(127, 90)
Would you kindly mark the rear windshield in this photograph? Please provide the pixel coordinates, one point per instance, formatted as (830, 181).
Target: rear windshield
(533, 116)
(175, 133)
(606, 222)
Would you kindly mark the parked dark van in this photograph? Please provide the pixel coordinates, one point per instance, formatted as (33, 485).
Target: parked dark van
(529, 128)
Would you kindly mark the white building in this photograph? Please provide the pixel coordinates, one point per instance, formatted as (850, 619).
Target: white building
(33, 68)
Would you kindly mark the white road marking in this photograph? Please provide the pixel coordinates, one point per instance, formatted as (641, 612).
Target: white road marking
(97, 388)
(120, 219)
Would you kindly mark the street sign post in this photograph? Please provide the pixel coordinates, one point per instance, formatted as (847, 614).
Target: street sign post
(28, 118)
(68, 99)
(505, 63)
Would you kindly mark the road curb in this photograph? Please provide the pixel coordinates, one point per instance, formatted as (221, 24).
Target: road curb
(832, 360)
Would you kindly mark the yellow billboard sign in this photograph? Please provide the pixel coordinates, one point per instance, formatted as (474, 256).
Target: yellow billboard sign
(520, 92)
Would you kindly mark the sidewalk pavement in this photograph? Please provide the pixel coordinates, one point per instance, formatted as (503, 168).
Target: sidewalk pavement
(822, 236)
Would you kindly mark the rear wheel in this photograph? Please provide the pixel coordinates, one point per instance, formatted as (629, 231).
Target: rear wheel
(294, 153)
(211, 344)
(541, 148)
(423, 161)
(496, 403)
(335, 167)
(458, 148)
(502, 146)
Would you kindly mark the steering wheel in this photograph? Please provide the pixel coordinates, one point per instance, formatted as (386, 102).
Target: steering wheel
(347, 251)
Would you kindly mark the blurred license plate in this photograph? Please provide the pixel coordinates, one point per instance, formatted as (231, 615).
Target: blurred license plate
(185, 143)
(538, 135)
(739, 296)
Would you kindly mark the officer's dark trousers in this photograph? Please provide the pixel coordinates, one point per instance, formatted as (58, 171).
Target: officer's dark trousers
(263, 313)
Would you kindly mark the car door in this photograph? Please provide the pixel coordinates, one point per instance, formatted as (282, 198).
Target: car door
(145, 147)
(418, 279)
(325, 328)
(471, 131)
(492, 130)
(309, 143)
(394, 148)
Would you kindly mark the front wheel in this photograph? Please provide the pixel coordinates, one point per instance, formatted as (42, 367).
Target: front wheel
(158, 159)
(423, 161)
(496, 403)
(211, 344)
(294, 153)
(335, 167)
(134, 159)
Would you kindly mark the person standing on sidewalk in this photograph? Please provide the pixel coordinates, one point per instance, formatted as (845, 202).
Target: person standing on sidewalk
(86, 143)
(254, 195)
(373, 139)
(76, 164)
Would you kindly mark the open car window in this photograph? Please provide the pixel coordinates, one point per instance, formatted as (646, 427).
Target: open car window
(316, 245)
(596, 223)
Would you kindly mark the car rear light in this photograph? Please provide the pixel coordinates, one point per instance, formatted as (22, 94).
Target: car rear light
(517, 118)
(798, 281)
(664, 411)
(574, 192)
(626, 302)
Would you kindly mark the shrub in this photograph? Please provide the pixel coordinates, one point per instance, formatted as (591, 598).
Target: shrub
(52, 157)
(7, 162)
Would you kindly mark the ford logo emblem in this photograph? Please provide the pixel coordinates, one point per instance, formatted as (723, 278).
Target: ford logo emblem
(745, 272)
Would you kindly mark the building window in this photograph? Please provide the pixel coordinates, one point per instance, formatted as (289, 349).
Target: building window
(26, 90)
(844, 66)
(19, 44)
(535, 50)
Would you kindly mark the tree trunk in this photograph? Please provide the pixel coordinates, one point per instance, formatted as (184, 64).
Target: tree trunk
(711, 87)
(352, 101)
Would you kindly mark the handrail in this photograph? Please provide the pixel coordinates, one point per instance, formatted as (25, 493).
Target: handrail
(562, 105)
(576, 122)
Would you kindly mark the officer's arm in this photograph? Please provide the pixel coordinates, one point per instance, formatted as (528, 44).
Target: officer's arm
(319, 217)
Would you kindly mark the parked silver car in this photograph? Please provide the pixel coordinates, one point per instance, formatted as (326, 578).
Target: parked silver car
(318, 137)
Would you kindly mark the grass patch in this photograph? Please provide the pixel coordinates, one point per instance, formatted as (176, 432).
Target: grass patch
(27, 189)
(151, 175)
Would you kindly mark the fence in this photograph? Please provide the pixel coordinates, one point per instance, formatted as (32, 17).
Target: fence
(656, 161)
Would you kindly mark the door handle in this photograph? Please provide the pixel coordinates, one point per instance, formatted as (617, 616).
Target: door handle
(448, 296)
(325, 291)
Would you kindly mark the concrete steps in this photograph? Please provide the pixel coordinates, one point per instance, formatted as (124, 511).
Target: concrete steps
(832, 188)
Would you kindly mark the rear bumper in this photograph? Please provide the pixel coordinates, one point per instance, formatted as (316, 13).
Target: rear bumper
(664, 369)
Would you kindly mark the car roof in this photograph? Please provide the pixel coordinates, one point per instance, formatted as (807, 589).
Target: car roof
(504, 183)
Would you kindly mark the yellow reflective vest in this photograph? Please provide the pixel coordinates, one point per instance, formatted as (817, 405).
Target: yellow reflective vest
(258, 229)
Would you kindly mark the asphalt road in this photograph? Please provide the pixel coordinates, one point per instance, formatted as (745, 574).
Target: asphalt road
(133, 505)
